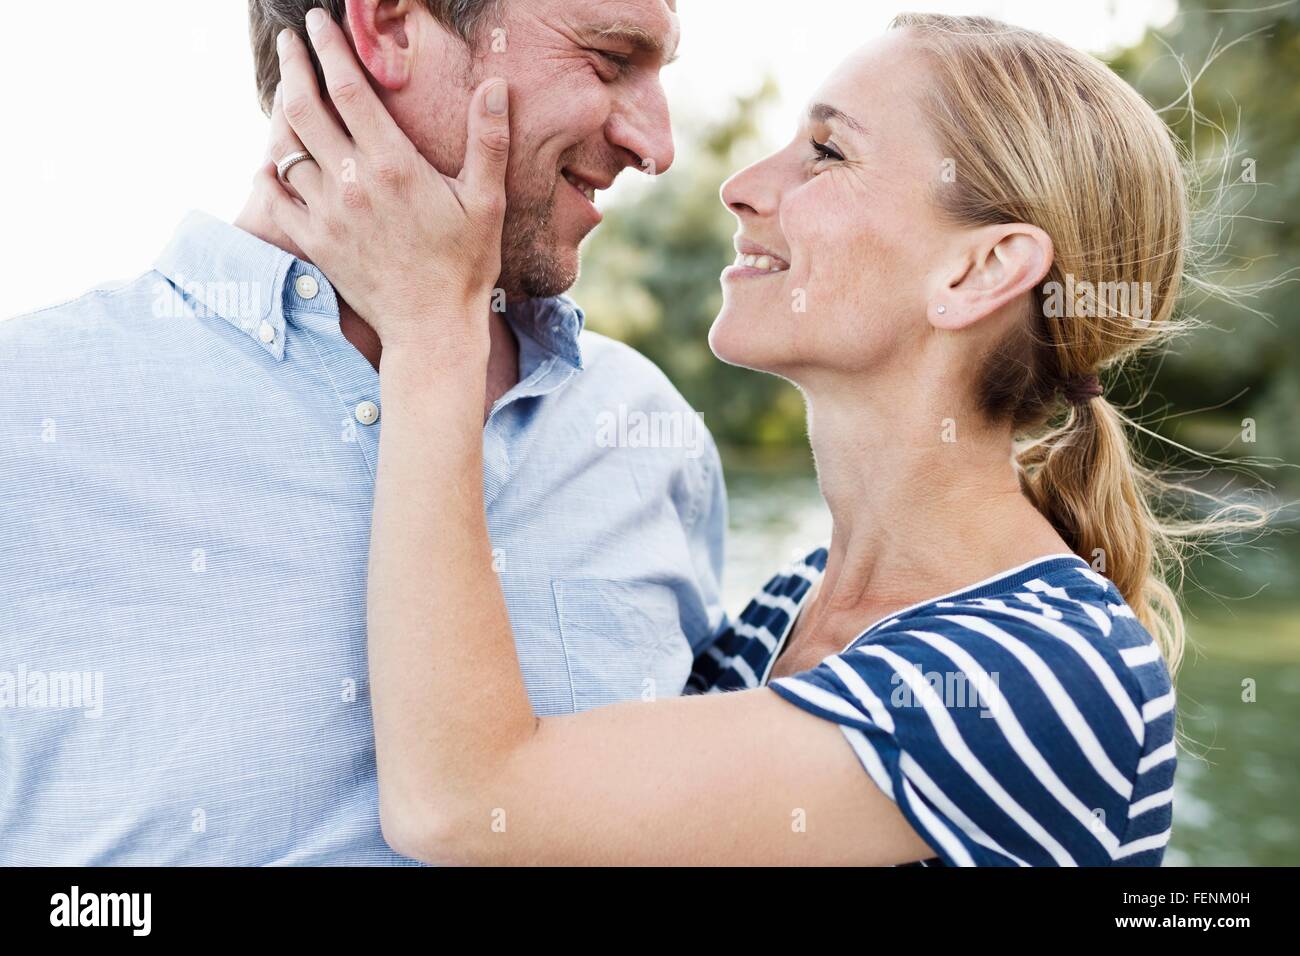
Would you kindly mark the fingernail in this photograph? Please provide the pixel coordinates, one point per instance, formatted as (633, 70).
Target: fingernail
(315, 19)
(497, 98)
(282, 41)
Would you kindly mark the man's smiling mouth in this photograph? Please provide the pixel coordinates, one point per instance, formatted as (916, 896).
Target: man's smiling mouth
(588, 189)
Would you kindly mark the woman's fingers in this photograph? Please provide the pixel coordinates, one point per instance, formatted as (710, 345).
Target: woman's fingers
(349, 89)
(282, 208)
(318, 130)
(304, 177)
(392, 228)
(487, 149)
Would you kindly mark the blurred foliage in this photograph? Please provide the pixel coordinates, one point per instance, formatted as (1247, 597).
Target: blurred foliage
(1229, 86)
(1228, 83)
(650, 276)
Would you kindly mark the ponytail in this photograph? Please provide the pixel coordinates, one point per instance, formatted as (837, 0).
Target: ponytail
(1084, 479)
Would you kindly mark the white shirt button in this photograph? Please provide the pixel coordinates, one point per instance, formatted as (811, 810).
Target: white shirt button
(266, 333)
(367, 413)
(306, 286)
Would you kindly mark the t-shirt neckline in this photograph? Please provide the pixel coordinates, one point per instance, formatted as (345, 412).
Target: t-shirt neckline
(1022, 571)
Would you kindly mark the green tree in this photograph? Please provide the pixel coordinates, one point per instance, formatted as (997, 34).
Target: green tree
(1228, 83)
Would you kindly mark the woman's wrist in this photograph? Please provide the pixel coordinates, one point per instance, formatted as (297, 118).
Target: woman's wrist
(435, 374)
(450, 328)
(431, 347)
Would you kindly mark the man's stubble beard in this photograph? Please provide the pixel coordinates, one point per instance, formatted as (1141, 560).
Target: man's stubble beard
(532, 265)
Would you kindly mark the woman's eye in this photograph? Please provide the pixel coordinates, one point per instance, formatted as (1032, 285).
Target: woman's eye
(825, 151)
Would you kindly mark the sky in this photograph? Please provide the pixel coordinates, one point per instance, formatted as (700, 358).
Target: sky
(147, 110)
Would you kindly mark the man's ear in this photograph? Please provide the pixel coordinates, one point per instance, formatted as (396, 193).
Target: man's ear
(378, 30)
(998, 265)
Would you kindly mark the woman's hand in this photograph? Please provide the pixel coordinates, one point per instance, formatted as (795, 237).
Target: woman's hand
(415, 253)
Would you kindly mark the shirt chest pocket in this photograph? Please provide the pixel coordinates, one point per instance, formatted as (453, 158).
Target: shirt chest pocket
(622, 640)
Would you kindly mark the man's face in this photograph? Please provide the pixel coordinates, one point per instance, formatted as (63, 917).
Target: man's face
(586, 103)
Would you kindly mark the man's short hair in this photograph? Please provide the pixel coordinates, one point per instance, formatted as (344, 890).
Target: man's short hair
(266, 18)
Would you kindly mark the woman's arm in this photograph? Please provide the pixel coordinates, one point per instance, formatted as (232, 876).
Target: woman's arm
(467, 773)
(430, 456)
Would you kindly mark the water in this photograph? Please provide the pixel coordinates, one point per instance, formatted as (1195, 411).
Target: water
(1237, 792)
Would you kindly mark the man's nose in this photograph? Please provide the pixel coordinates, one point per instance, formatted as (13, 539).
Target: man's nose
(641, 125)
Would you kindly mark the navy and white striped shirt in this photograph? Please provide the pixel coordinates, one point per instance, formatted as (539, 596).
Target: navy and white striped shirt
(1026, 720)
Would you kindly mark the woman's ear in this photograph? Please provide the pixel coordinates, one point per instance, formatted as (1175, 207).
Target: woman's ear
(1001, 263)
(379, 33)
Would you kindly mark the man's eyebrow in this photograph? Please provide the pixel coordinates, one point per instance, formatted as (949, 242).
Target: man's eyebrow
(824, 113)
(638, 38)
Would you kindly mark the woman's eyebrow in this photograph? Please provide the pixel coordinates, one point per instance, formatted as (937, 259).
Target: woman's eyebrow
(824, 113)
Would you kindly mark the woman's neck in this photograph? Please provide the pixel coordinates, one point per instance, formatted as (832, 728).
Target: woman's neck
(923, 498)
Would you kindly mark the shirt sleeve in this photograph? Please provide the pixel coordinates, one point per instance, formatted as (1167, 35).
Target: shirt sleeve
(1001, 743)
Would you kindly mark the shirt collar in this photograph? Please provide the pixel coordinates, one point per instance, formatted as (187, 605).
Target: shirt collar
(252, 285)
(553, 323)
(224, 271)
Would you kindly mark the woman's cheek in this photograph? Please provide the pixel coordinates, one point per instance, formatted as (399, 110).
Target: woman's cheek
(815, 235)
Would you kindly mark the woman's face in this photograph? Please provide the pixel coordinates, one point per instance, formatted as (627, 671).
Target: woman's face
(846, 216)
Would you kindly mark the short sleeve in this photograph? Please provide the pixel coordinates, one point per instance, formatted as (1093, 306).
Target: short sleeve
(1003, 743)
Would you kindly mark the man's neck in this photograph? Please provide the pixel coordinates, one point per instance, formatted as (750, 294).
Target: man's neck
(503, 360)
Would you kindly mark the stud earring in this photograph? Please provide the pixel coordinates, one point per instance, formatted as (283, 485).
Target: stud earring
(942, 309)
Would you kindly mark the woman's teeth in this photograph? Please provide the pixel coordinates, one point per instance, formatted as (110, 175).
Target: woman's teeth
(586, 189)
(763, 263)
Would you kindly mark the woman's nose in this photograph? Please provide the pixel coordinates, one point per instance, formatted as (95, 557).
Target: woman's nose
(754, 191)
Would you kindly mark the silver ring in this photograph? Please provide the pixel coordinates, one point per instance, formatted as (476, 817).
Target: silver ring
(293, 159)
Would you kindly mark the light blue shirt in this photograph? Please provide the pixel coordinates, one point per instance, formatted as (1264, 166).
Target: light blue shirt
(187, 465)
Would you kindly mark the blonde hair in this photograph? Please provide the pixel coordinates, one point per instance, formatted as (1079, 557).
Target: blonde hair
(1040, 133)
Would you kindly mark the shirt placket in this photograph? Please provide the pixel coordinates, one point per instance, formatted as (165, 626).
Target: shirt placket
(310, 304)
(545, 374)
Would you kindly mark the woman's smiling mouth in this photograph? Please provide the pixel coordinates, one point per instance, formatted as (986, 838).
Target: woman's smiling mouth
(764, 263)
(754, 260)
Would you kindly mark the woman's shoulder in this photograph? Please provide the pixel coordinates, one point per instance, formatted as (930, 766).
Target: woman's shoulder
(1035, 703)
(1060, 626)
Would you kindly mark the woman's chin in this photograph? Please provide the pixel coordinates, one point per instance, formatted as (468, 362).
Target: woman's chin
(721, 338)
(733, 340)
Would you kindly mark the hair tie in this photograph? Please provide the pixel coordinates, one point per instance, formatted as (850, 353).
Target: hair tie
(1082, 389)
